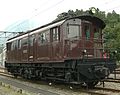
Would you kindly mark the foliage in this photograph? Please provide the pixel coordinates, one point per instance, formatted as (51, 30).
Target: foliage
(111, 31)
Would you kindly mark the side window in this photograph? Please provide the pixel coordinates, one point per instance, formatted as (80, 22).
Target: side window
(55, 34)
(19, 44)
(24, 42)
(73, 31)
(87, 31)
(13, 46)
(31, 40)
(16, 44)
(9, 46)
(44, 37)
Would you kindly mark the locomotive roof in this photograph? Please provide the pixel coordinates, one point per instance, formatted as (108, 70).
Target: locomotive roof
(90, 18)
(93, 19)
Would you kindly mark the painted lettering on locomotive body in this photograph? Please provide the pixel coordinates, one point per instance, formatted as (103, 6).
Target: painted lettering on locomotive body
(70, 50)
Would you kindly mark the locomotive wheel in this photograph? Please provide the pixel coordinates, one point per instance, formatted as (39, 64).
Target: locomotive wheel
(91, 84)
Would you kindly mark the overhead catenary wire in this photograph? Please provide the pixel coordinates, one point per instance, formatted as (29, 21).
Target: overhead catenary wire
(52, 6)
(108, 3)
(4, 35)
(113, 8)
(40, 12)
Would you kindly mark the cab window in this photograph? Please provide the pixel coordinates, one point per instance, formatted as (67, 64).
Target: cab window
(73, 31)
(24, 42)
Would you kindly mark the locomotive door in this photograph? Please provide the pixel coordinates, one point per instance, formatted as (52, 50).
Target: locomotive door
(87, 34)
(72, 42)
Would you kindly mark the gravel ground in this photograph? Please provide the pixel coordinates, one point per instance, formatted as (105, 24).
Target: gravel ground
(112, 86)
(61, 89)
(7, 90)
(66, 91)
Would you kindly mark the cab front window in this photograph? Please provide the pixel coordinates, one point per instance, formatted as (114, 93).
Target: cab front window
(73, 31)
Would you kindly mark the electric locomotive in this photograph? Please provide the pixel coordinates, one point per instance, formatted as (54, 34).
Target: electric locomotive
(70, 50)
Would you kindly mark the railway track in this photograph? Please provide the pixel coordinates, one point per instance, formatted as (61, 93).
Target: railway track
(94, 91)
(112, 80)
(116, 72)
(7, 78)
(107, 89)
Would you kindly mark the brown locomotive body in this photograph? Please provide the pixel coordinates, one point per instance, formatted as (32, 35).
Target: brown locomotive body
(67, 39)
(60, 50)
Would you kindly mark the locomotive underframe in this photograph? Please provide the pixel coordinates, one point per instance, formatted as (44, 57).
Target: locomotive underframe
(80, 71)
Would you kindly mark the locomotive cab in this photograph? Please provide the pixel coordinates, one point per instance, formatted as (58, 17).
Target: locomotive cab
(83, 38)
(83, 49)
